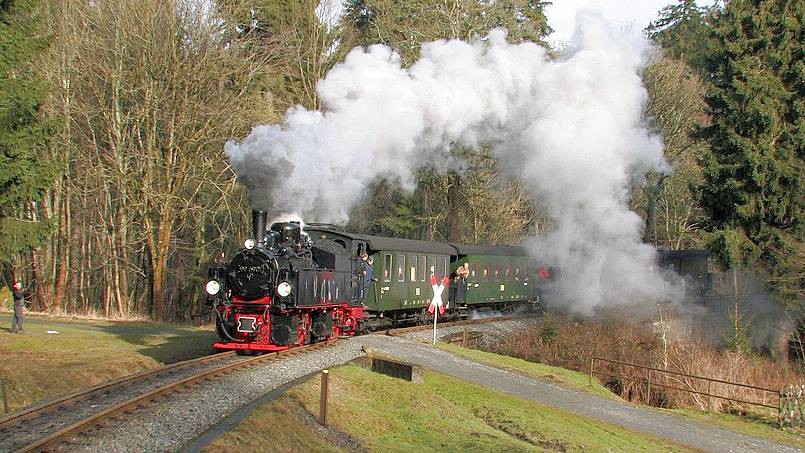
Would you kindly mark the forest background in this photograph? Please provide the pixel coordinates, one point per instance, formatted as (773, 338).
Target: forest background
(115, 194)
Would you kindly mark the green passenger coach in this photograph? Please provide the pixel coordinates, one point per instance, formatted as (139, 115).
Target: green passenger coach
(400, 292)
(498, 274)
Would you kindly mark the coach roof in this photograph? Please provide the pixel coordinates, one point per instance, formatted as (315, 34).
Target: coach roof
(503, 250)
(377, 243)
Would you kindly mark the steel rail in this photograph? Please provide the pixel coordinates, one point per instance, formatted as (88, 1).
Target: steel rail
(77, 428)
(463, 322)
(66, 400)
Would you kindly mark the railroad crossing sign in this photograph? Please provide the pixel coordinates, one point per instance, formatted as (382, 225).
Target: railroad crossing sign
(436, 306)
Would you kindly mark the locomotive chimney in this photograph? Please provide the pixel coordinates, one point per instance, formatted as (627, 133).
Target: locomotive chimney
(259, 219)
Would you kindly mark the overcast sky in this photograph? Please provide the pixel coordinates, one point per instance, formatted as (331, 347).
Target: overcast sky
(627, 14)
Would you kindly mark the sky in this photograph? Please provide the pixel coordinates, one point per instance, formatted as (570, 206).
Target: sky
(632, 15)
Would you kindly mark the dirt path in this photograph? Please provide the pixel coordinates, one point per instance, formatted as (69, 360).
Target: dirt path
(676, 429)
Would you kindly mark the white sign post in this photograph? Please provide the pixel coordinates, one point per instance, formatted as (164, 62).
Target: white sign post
(435, 317)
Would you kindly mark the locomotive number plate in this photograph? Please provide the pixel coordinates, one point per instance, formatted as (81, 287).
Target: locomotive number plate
(247, 324)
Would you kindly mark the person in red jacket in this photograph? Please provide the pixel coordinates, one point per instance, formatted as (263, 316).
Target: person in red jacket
(19, 302)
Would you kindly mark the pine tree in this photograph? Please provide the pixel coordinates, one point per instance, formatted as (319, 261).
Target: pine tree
(754, 174)
(685, 31)
(23, 132)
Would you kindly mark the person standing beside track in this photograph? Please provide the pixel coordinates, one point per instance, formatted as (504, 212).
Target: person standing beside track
(19, 303)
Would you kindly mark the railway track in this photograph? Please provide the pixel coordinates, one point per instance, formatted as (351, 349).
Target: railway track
(441, 325)
(46, 426)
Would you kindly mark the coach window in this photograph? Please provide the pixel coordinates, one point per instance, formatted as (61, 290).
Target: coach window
(444, 267)
(422, 268)
(412, 274)
(497, 272)
(517, 273)
(441, 269)
(432, 265)
(400, 268)
(387, 268)
(485, 276)
(508, 274)
(474, 272)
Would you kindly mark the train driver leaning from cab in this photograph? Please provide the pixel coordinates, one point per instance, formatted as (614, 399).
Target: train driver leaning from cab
(461, 282)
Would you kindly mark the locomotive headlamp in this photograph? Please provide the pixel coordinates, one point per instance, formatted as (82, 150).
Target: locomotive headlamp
(249, 244)
(213, 287)
(284, 289)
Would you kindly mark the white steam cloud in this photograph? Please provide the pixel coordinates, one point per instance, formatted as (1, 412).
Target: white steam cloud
(570, 128)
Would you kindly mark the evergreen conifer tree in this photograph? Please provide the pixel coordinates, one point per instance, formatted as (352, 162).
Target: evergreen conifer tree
(23, 132)
(685, 31)
(754, 174)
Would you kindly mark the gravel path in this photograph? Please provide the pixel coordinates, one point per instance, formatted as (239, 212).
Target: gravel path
(676, 429)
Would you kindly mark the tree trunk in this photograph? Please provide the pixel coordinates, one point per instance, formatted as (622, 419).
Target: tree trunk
(159, 262)
(64, 254)
(453, 195)
(39, 287)
(652, 195)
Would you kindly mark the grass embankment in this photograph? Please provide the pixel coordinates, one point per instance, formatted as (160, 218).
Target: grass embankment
(39, 366)
(762, 427)
(380, 413)
(566, 378)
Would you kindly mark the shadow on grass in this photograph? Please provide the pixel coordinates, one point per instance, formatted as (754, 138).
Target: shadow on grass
(161, 342)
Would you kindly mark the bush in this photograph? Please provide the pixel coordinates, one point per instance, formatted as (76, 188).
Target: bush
(6, 298)
(569, 343)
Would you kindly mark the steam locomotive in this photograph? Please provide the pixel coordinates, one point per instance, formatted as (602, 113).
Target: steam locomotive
(288, 288)
(280, 291)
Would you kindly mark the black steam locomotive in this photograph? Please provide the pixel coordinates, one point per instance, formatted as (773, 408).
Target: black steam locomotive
(280, 291)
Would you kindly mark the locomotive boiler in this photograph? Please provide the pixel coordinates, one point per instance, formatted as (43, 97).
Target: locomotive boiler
(281, 291)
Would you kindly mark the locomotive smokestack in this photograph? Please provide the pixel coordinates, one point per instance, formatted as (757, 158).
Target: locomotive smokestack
(259, 219)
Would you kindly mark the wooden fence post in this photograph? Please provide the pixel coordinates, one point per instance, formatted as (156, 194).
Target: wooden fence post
(323, 399)
(709, 392)
(591, 371)
(5, 395)
(464, 338)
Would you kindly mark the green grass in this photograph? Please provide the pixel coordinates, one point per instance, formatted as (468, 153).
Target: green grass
(564, 377)
(277, 426)
(40, 366)
(764, 427)
(443, 414)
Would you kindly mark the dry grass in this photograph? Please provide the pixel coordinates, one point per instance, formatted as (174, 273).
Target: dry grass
(576, 341)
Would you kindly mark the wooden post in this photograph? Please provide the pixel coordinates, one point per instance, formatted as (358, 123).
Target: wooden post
(5, 395)
(648, 397)
(709, 392)
(591, 371)
(323, 399)
(464, 338)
